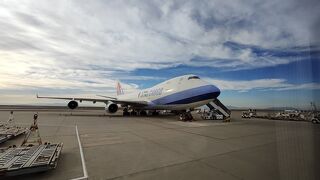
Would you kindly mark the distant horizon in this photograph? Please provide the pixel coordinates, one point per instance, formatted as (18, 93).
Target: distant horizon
(101, 106)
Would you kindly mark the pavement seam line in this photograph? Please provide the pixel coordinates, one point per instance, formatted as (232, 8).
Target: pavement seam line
(181, 130)
(163, 146)
(156, 168)
(199, 160)
(222, 170)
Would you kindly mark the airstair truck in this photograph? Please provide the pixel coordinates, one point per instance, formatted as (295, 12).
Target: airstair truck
(218, 107)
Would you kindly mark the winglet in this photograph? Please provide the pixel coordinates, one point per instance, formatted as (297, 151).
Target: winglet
(37, 95)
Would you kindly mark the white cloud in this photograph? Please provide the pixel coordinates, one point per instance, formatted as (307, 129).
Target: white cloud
(261, 84)
(310, 86)
(82, 44)
(149, 34)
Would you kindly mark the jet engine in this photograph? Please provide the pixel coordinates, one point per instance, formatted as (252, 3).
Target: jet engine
(111, 107)
(73, 104)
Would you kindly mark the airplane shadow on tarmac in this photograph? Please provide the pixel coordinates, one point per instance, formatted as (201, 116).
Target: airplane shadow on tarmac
(91, 115)
(111, 115)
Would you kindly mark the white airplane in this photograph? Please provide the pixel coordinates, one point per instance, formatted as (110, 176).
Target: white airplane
(180, 94)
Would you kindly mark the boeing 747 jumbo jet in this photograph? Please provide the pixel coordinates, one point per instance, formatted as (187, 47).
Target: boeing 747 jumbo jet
(180, 94)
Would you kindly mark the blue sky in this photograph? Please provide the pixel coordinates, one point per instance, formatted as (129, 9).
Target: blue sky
(297, 73)
(260, 53)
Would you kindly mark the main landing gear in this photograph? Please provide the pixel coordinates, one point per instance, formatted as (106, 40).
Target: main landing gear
(183, 116)
(133, 112)
(126, 112)
(186, 116)
(155, 113)
(143, 113)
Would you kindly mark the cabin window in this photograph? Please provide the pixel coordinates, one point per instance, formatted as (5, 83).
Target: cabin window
(193, 77)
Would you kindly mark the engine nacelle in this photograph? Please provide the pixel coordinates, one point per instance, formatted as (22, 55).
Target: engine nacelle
(111, 107)
(73, 104)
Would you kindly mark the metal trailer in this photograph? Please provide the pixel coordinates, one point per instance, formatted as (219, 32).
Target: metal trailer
(29, 159)
(9, 129)
(8, 132)
(4, 138)
(249, 114)
(245, 114)
(315, 119)
(32, 156)
(291, 115)
(315, 115)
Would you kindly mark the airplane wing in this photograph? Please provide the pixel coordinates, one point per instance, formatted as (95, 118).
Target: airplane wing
(104, 100)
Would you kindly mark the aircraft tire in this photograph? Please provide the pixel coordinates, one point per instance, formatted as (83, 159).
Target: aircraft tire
(189, 117)
(133, 113)
(155, 113)
(126, 113)
(143, 113)
(181, 117)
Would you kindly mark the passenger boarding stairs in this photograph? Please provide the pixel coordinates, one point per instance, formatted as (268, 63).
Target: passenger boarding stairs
(217, 105)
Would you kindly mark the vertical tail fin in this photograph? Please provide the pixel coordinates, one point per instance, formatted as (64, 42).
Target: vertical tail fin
(119, 89)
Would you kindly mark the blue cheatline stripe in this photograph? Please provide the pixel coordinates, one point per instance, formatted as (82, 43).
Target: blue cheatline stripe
(189, 96)
(196, 98)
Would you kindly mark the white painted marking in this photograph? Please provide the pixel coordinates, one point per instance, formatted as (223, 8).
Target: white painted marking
(203, 123)
(84, 168)
(189, 124)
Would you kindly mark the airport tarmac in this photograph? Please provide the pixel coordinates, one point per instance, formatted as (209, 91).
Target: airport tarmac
(116, 147)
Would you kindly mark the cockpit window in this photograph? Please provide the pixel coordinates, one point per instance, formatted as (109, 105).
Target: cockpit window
(193, 77)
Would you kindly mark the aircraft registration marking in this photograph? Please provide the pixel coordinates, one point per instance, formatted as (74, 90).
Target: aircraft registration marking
(151, 92)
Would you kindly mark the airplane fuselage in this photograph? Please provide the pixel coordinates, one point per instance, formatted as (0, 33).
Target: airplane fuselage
(180, 93)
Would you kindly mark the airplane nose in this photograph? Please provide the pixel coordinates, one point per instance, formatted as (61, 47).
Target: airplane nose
(215, 90)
